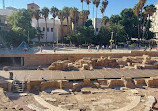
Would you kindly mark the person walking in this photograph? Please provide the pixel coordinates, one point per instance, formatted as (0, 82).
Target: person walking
(11, 48)
(102, 48)
(98, 48)
(41, 48)
(88, 48)
(79, 46)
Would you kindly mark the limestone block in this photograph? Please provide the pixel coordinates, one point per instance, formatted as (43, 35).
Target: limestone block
(128, 82)
(127, 59)
(152, 82)
(50, 84)
(85, 67)
(121, 62)
(28, 87)
(115, 83)
(102, 81)
(70, 66)
(139, 82)
(155, 65)
(146, 66)
(66, 84)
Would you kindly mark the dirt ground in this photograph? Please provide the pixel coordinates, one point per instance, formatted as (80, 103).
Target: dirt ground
(88, 99)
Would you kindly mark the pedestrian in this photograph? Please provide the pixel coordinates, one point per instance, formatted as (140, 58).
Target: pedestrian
(11, 48)
(102, 48)
(98, 48)
(41, 48)
(54, 49)
(79, 46)
(88, 48)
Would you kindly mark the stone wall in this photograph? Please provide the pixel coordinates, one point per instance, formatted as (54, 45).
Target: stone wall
(47, 59)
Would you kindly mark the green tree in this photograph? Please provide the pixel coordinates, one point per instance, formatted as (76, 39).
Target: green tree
(54, 12)
(115, 19)
(45, 14)
(20, 23)
(82, 34)
(129, 21)
(149, 10)
(105, 20)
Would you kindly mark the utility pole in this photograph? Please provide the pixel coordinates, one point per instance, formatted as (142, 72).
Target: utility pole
(3, 4)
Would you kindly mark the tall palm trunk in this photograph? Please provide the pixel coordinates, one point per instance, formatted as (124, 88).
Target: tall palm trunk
(96, 17)
(138, 30)
(46, 28)
(82, 5)
(67, 25)
(62, 31)
(53, 29)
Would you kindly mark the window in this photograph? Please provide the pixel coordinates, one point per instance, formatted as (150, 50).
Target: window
(48, 29)
(0, 21)
(39, 28)
(51, 29)
(43, 28)
(32, 7)
(96, 29)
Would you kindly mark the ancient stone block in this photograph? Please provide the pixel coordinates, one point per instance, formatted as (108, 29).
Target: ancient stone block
(139, 82)
(102, 81)
(115, 83)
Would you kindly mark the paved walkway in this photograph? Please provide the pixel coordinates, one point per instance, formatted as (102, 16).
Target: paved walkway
(74, 75)
(68, 50)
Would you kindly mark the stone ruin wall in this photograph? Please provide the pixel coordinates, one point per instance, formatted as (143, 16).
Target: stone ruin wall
(75, 85)
(47, 59)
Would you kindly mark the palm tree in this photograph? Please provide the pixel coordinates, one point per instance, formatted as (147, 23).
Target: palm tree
(66, 11)
(97, 4)
(94, 1)
(37, 15)
(54, 12)
(45, 13)
(149, 10)
(141, 5)
(104, 5)
(84, 15)
(102, 9)
(74, 14)
(61, 16)
(136, 11)
(105, 20)
(88, 2)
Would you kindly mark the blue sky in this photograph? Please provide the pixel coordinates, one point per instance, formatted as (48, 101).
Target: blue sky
(114, 7)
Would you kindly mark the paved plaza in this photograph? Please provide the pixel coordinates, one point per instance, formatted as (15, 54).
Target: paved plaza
(67, 50)
(76, 75)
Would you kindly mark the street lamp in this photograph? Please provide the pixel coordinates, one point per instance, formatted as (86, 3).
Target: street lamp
(111, 41)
